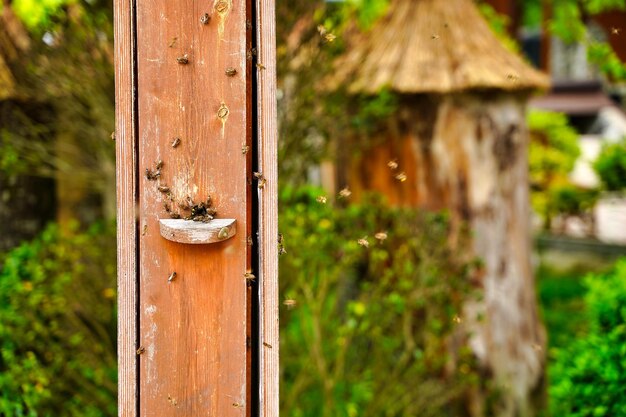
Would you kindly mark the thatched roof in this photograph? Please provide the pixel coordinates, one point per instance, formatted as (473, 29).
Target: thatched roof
(433, 46)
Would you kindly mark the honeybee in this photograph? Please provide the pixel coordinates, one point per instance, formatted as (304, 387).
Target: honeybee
(345, 193)
(321, 199)
(183, 60)
(381, 236)
(363, 242)
(249, 277)
(401, 177)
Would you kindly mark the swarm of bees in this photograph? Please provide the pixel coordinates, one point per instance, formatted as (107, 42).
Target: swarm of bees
(202, 211)
(153, 175)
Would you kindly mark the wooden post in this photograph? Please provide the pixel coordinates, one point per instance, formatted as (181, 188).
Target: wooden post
(196, 131)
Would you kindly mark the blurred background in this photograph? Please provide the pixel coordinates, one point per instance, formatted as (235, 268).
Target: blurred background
(452, 205)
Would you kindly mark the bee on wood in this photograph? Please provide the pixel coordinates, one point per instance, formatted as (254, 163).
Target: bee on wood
(267, 345)
(164, 189)
(401, 177)
(249, 241)
(249, 277)
(260, 66)
(141, 350)
(244, 149)
(205, 19)
(175, 142)
(159, 165)
(172, 277)
(231, 72)
(393, 164)
(260, 178)
(251, 53)
(183, 60)
(173, 42)
(152, 175)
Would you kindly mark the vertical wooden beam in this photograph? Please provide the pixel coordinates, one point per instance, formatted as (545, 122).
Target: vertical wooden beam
(185, 70)
(268, 209)
(126, 152)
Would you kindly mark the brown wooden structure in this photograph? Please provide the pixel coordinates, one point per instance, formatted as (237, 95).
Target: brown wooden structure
(198, 331)
(458, 141)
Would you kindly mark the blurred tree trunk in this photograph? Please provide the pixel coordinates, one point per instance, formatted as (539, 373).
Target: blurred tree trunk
(467, 154)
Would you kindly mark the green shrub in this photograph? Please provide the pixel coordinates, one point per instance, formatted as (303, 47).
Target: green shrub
(553, 152)
(589, 376)
(58, 326)
(370, 330)
(611, 166)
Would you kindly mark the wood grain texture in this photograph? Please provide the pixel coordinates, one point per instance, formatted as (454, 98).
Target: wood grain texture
(197, 233)
(193, 328)
(268, 209)
(125, 133)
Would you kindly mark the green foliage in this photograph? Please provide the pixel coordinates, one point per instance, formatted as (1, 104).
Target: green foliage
(38, 14)
(58, 326)
(611, 166)
(589, 375)
(499, 24)
(572, 200)
(561, 297)
(372, 323)
(552, 154)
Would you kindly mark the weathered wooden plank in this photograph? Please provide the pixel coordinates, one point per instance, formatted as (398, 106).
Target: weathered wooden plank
(197, 233)
(194, 327)
(268, 208)
(125, 134)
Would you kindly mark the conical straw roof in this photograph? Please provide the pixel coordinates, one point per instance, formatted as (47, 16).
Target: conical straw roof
(433, 46)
